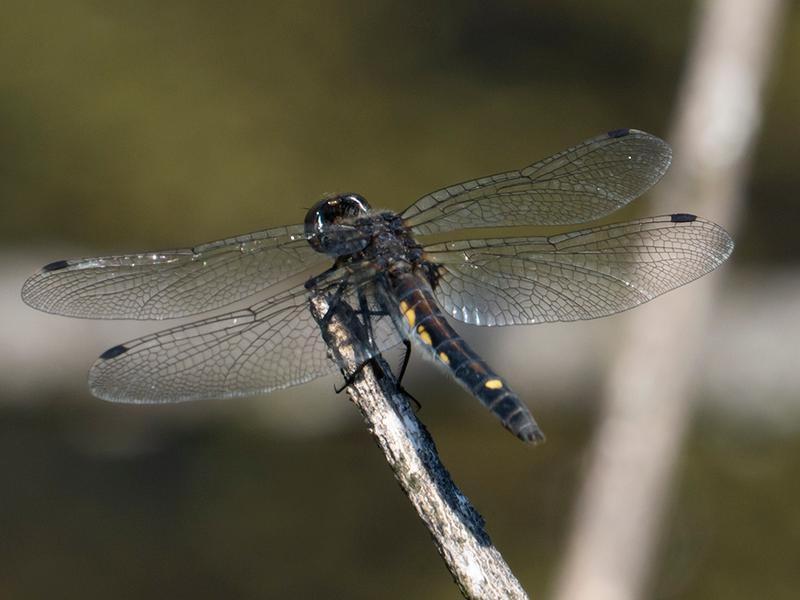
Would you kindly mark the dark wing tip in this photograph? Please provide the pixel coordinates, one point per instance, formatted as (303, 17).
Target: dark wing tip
(683, 218)
(55, 266)
(618, 133)
(114, 352)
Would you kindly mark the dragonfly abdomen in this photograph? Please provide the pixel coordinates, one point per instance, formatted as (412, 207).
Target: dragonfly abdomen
(422, 320)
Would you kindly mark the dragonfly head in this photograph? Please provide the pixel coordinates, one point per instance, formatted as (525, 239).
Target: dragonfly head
(330, 225)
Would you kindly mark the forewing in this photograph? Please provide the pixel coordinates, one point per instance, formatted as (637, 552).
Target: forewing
(578, 275)
(272, 345)
(172, 283)
(580, 184)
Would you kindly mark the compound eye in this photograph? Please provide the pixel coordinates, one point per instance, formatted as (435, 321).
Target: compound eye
(354, 205)
(324, 227)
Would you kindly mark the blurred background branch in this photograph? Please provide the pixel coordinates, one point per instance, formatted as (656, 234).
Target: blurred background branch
(652, 382)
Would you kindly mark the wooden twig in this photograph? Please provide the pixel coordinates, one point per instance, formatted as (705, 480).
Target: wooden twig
(456, 527)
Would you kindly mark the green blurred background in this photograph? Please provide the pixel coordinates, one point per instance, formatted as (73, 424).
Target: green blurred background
(132, 125)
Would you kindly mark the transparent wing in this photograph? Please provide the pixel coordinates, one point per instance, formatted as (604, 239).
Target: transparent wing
(579, 275)
(172, 283)
(577, 185)
(272, 345)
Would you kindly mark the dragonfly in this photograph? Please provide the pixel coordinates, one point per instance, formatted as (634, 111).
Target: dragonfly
(399, 287)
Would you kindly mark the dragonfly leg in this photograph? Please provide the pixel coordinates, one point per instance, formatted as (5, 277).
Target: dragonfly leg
(364, 311)
(333, 301)
(380, 373)
(403, 366)
(351, 379)
(315, 281)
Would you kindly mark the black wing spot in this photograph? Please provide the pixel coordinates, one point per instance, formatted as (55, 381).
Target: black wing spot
(55, 266)
(618, 133)
(114, 352)
(683, 218)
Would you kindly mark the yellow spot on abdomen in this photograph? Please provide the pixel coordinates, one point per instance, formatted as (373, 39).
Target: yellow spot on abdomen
(408, 313)
(424, 336)
(444, 358)
(493, 384)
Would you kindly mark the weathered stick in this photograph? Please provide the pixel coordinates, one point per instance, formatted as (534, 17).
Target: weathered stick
(456, 527)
